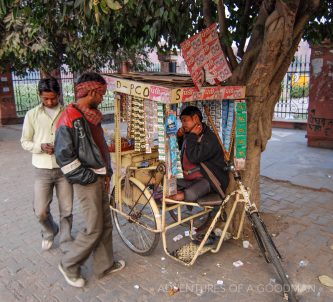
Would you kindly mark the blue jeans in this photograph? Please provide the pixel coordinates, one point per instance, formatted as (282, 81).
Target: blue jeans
(45, 182)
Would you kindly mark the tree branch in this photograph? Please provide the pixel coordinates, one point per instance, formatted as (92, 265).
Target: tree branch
(207, 12)
(245, 68)
(302, 17)
(224, 35)
(282, 68)
(243, 28)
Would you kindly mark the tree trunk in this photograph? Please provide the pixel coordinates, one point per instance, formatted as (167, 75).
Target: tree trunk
(274, 41)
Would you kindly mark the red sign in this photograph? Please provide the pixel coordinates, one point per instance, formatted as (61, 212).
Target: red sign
(158, 93)
(204, 57)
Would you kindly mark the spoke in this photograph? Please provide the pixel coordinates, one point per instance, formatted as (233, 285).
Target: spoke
(148, 238)
(140, 236)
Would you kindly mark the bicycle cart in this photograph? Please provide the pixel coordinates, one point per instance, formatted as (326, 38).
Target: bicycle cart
(146, 170)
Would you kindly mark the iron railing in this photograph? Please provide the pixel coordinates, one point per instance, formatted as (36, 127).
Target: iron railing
(293, 103)
(26, 94)
(25, 91)
(294, 99)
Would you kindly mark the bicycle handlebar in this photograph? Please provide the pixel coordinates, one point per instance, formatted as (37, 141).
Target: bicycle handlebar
(230, 167)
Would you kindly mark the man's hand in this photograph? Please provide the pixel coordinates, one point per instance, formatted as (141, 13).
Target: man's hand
(180, 132)
(197, 129)
(107, 184)
(47, 148)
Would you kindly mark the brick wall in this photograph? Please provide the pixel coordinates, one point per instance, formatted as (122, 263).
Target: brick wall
(7, 100)
(320, 112)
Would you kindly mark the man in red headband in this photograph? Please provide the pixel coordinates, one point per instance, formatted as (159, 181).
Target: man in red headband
(82, 154)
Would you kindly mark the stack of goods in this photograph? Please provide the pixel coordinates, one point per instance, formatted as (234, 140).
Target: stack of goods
(124, 104)
(138, 124)
(171, 132)
(161, 132)
(227, 125)
(150, 117)
(215, 110)
(241, 133)
(128, 114)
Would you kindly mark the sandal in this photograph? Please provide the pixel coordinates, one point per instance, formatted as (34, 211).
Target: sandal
(199, 237)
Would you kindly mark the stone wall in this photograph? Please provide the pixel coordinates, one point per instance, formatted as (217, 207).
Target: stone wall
(7, 100)
(320, 112)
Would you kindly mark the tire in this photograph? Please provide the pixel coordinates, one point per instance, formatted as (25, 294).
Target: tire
(272, 255)
(136, 237)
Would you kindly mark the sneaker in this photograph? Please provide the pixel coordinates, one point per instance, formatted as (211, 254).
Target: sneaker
(73, 281)
(47, 244)
(117, 266)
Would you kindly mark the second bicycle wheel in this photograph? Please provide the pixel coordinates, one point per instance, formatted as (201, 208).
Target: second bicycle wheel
(272, 255)
(136, 232)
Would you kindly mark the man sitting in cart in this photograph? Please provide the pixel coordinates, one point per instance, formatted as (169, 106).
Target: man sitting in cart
(202, 158)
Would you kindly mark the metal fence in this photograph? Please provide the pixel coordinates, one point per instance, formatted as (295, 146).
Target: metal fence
(26, 94)
(294, 99)
(293, 103)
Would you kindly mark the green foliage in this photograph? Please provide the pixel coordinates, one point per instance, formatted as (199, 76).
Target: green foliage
(89, 34)
(46, 34)
(320, 26)
(176, 20)
(26, 97)
(297, 92)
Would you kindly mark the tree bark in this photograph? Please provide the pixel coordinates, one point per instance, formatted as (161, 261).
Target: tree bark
(207, 13)
(274, 41)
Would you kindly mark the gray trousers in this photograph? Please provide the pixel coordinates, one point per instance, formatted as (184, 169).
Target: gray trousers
(193, 189)
(96, 237)
(45, 182)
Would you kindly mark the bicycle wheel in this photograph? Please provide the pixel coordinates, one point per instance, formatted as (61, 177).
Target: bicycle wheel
(272, 254)
(143, 214)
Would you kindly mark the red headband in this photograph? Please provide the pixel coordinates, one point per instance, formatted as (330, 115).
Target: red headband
(82, 89)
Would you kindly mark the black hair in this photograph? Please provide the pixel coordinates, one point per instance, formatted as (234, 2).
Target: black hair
(48, 85)
(90, 76)
(191, 111)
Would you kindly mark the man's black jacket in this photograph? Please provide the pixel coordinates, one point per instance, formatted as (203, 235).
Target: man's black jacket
(75, 150)
(205, 148)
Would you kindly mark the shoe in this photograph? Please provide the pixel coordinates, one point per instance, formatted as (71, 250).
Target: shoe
(116, 267)
(199, 237)
(47, 244)
(73, 281)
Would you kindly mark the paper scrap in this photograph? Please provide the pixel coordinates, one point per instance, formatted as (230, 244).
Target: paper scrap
(238, 263)
(178, 237)
(326, 280)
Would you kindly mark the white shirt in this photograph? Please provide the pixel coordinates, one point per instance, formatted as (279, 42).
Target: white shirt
(39, 128)
(52, 112)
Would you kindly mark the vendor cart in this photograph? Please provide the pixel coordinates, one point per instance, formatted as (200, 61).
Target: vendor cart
(146, 166)
(149, 104)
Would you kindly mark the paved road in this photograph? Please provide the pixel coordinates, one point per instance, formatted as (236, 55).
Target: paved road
(301, 220)
(288, 158)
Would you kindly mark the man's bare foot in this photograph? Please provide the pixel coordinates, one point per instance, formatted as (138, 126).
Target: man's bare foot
(179, 196)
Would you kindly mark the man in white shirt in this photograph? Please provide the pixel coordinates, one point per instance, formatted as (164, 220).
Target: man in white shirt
(38, 137)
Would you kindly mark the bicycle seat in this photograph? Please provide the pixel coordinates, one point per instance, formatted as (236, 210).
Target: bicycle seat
(211, 199)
